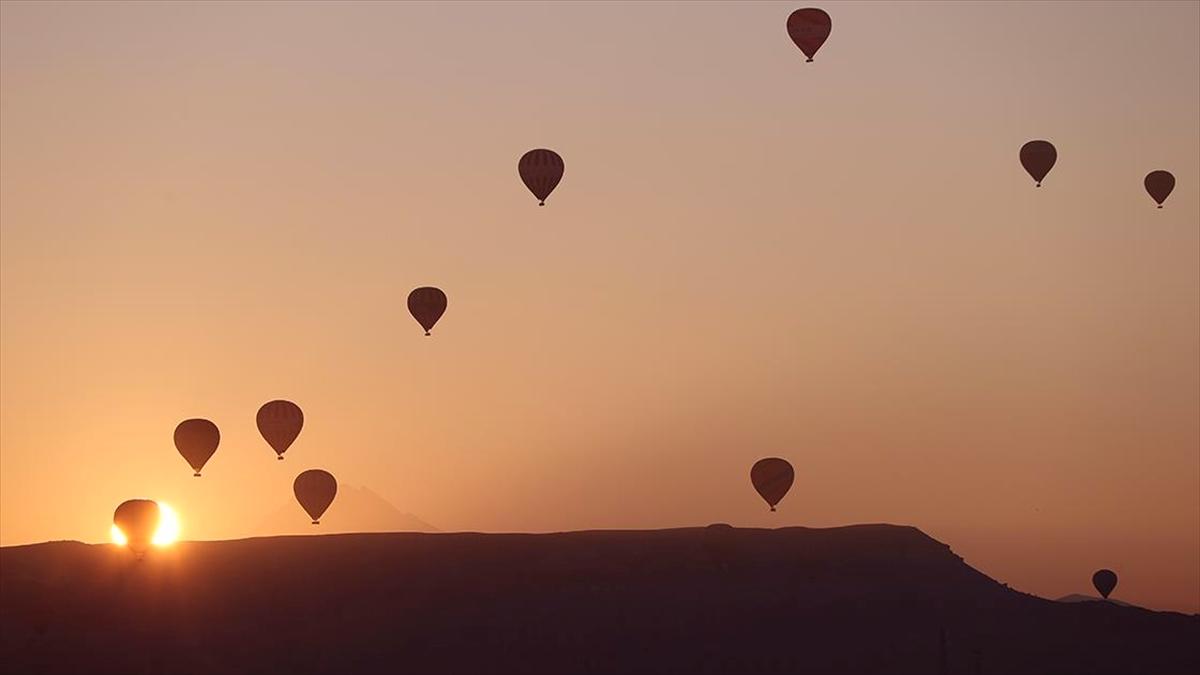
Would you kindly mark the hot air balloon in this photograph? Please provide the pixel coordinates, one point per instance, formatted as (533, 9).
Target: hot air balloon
(809, 28)
(137, 519)
(280, 423)
(427, 304)
(772, 477)
(1104, 581)
(315, 490)
(1038, 158)
(197, 440)
(541, 170)
(1159, 184)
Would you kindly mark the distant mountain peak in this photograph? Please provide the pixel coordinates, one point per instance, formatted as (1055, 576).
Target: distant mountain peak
(357, 508)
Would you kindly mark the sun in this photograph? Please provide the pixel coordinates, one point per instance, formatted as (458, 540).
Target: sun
(118, 537)
(168, 526)
(166, 533)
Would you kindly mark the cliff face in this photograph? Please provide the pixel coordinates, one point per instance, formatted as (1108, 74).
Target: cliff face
(870, 598)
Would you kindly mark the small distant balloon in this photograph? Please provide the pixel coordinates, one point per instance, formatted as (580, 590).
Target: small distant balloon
(280, 423)
(772, 478)
(197, 440)
(1104, 581)
(541, 170)
(809, 28)
(1038, 158)
(427, 304)
(1159, 184)
(315, 490)
(137, 519)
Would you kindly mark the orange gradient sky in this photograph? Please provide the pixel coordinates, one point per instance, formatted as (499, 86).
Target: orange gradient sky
(208, 206)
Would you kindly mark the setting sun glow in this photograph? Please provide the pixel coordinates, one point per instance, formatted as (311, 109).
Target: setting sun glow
(168, 526)
(166, 534)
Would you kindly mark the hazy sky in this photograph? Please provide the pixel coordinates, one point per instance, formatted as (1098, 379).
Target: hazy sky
(208, 206)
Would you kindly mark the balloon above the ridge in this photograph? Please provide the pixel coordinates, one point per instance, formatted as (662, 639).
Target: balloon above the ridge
(1104, 581)
(315, 490)
(772, 478)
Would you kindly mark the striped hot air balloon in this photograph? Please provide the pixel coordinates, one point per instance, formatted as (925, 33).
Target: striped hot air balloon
(541, 170)
(280, 423)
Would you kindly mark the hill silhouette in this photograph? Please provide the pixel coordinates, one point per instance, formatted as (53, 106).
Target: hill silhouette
(356, 509)
(858, 599)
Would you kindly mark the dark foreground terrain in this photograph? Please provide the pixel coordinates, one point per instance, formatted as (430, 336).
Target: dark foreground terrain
(863, 599)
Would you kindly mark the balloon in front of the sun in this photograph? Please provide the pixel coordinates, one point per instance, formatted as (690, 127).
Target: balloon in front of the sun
(140, 524)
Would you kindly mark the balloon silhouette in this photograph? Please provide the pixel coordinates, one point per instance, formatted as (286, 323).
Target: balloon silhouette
(541, 170)
(1104, 581)
(280, 423)
(315, 490)
(137, 519)
(1038, 158)
(809, 28)
(427, 304)
(197, 440)
(1159, 184)
(772, 478)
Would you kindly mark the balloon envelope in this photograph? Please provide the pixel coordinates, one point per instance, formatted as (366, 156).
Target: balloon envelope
(1038, 158)
(772, 478)
(427, 304)
(809, 28)
(1104, 581)
(197, 440)
(315, 490)
(137, 519)
(541, 170)
(280, 423)
(1159, 184)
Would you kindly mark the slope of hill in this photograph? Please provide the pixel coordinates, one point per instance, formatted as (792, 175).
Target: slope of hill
(1079, 597)
(860, 599)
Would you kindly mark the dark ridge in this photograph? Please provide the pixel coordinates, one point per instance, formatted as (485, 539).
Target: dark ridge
(859, 599)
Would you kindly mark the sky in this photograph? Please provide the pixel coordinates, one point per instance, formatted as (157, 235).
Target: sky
(204, 207)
